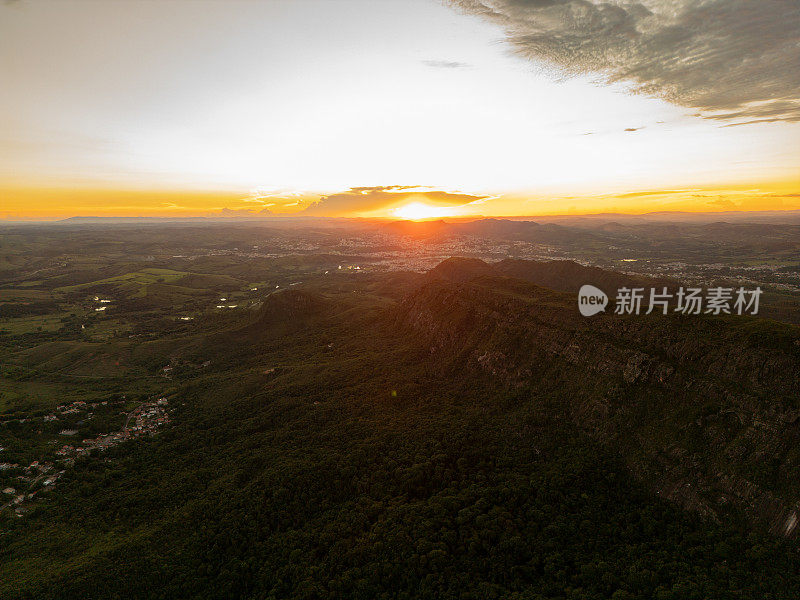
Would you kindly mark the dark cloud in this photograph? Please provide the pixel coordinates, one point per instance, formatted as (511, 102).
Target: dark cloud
(445, 64)
(376, 198)
(730, 60)
(753, 121)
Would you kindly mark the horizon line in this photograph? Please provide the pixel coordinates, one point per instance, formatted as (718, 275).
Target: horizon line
(306, 217)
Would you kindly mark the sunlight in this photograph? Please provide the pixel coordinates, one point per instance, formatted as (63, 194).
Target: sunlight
(417, 210)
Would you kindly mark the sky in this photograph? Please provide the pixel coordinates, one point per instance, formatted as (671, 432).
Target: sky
(397, 108)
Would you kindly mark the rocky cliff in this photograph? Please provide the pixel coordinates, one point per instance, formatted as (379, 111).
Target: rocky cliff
(703, 409)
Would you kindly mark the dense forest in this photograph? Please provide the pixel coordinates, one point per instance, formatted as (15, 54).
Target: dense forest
(346, 442)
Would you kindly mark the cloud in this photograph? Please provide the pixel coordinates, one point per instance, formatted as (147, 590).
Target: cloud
(723, 203)
(262, 192)
(445, 64)
(729, 60)
(365, 199)
(277, 198)
(652, 193)
(238, 213)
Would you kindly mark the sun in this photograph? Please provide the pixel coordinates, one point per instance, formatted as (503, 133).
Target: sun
(417, 211)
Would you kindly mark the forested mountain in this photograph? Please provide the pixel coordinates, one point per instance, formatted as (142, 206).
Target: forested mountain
(463, 433)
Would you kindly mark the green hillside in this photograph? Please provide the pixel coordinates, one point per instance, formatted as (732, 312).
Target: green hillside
(405, 436)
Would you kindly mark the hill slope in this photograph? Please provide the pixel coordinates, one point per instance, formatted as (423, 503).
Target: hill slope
(473, 437)
(694, 405)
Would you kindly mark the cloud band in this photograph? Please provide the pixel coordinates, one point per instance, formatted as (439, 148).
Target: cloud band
(730, 60)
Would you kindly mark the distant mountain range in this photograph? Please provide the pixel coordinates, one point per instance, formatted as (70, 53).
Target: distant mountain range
(766, 217)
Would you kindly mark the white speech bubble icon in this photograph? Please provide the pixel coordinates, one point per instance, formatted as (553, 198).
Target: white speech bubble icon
(591, 300)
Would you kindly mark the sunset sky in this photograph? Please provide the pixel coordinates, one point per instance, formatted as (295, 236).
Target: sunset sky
(406, 108)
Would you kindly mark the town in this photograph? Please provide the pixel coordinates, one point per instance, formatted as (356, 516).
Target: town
(40, 476)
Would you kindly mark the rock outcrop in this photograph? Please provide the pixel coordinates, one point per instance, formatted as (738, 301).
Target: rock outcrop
(703, 409)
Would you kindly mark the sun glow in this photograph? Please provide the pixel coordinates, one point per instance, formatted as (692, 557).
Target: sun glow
(417, 211)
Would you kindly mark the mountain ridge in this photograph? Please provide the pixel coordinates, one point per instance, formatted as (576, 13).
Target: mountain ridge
(734, 366)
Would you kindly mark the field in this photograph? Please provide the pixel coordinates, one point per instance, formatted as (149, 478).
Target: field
(136, 282)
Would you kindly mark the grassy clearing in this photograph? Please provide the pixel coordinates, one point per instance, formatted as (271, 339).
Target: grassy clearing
(22, 325)
(105, 329)
(28, 395)
(138, 278)
(18, 295)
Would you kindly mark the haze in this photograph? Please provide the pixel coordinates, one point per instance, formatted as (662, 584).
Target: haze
(406, 109)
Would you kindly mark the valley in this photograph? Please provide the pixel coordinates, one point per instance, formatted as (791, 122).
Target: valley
(433, 419)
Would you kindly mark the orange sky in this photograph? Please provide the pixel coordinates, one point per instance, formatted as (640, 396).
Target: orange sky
(149, 108)
(32, 203)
